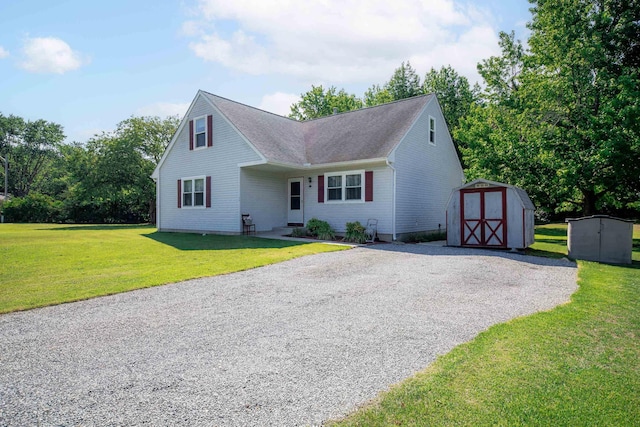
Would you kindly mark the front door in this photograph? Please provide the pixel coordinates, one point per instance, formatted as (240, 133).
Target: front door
(295, 214)
(484, 217)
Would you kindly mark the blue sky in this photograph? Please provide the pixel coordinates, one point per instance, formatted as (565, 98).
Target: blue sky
(87, 65)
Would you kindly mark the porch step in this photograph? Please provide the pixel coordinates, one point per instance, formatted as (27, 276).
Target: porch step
(282, 230)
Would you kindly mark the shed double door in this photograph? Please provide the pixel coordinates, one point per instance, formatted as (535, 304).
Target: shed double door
(483, 213)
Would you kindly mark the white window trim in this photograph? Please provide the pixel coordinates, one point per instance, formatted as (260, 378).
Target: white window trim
(431, 118)
(344, 186)
(195, 133)
(204, 194)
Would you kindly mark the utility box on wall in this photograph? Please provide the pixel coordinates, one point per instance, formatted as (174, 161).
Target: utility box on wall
(600, 238)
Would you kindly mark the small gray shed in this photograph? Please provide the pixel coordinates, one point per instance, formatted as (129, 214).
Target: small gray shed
(600, 238)
(490, 214)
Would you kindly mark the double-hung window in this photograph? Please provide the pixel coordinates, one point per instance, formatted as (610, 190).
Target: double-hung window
(345, 186)
(334, 187)
(200, 132)
(193, 192)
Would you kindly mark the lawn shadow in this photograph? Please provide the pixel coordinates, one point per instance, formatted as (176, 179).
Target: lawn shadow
(635, 265)
(546, 254)
(96, 227)
(557, 232)
(555, 259)
(562, 242)
(214, 242)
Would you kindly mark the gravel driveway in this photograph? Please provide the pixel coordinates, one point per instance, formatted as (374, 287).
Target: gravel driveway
(294, 343)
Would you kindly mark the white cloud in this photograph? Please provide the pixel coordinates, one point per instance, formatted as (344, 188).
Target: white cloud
(278, 103)
(341, 41)
(3, 52)
(164, 109)
(50, 55)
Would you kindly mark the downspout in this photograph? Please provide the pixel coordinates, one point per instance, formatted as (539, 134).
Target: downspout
(393, 202)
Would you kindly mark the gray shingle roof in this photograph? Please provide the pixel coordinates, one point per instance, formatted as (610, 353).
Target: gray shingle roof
(368, 133)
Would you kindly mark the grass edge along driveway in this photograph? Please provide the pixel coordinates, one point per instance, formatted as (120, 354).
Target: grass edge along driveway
(45, 264)
(574, 365)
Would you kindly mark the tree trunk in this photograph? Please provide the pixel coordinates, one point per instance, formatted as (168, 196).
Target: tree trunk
(152, 212)
(589, 202)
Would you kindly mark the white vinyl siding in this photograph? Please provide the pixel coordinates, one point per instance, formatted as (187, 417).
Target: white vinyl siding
(264, 196)
(338, 214)
(426, 174)
(220, 162)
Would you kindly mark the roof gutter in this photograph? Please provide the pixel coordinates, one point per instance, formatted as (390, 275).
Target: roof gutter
(345, 163)
(309, 166)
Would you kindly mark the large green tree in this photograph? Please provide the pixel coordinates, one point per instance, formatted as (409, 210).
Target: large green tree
(587, 85)
(562, 119)
(377, 95)
(454, 93)
(404, 82)
(319, 102)
(110, 174)
(30, 148)
(150, 135)
(496, 136)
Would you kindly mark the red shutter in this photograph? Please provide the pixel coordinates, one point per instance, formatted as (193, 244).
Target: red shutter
(208, 190)
(368, 186)
(209, 131)
(179, 193)
(320, 188)
(190, 134)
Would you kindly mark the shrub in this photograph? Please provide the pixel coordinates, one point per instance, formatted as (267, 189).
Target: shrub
(33, 207)
(355, 232)
(426, 237)
(320, 229)
(299, 232)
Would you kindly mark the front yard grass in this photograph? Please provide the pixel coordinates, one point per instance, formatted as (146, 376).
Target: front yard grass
(576, 365)
(44, 264)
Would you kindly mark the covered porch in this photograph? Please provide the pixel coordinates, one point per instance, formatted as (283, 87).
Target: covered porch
(278, 196)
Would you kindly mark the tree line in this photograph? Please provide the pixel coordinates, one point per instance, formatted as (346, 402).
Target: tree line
(105, 180)
(558, 116)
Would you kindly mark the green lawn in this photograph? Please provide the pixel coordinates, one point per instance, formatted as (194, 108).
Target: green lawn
(43, 264)
(577, 365)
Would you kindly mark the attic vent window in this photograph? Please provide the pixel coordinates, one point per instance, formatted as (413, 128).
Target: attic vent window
(432, 130)
(200, 132)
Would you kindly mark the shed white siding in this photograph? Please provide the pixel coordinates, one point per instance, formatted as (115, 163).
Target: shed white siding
(338, 214)
(519, 214)
(426, 175)
(219, 161)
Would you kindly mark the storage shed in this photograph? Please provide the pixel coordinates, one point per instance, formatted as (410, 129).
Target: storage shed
(490, 214)
(600, 238)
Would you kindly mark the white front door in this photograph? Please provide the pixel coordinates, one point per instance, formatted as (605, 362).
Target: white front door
(295, 202)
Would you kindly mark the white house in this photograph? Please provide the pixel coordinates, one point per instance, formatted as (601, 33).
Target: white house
(394, 162)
